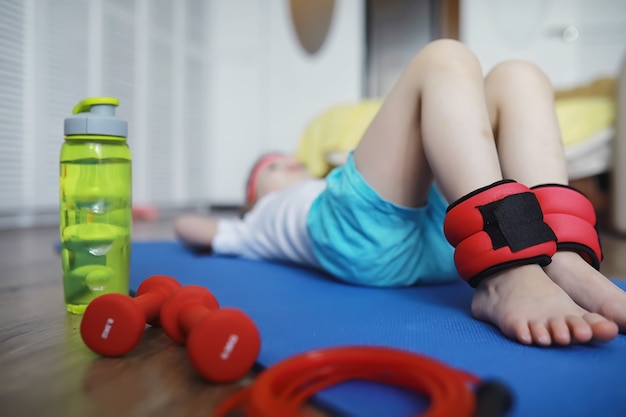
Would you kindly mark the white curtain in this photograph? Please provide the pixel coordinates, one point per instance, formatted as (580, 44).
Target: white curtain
(150, 54)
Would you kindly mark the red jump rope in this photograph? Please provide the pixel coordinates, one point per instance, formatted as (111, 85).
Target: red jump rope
(282, 389)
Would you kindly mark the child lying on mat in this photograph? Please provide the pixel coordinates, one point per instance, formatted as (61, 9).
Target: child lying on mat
(532, 254)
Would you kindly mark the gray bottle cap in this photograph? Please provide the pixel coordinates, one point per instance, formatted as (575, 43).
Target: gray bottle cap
(96, 116)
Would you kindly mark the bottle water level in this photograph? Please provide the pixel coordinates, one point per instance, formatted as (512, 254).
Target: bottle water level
(95, 261)
(95, 234)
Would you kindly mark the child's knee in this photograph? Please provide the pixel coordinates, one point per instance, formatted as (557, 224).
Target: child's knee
(518, 73)
(447, 46)
(446, 54)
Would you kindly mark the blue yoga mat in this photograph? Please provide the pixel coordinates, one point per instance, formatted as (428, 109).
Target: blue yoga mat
(297, 310)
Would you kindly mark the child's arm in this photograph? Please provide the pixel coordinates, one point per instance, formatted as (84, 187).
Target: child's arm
(196, 231)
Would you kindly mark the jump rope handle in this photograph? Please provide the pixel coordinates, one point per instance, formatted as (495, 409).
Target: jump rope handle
(493, 399)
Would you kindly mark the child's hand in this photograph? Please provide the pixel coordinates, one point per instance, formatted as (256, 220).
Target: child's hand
(196, 231)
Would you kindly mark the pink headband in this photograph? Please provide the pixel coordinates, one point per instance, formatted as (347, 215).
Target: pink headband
(265, 161)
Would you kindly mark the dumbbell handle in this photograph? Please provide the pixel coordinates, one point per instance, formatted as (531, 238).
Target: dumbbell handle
(191, 315)
(150, 303)
(185, 309)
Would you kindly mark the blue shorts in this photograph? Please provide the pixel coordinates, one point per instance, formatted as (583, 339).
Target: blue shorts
(359, 237)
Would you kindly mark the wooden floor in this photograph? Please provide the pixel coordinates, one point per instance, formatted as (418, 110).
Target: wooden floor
(45, 369)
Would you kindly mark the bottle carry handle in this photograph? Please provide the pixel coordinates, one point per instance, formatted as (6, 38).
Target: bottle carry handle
(85, 105)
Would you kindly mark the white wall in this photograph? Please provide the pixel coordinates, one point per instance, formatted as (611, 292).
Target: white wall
(574, 41)
(264, 88)
(301, 85)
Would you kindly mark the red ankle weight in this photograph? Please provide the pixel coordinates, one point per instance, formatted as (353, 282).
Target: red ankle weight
(497, 227)
(572, 218)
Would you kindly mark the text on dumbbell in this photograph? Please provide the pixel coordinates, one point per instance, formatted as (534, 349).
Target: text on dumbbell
(107, 328)
(229, 346)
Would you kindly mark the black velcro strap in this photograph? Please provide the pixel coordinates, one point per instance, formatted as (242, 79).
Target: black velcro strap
(515, 221)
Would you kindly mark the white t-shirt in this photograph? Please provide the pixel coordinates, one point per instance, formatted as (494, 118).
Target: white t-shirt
(274, 229)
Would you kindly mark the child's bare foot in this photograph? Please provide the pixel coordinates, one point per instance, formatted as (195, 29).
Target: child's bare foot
(588, 287)
(528, 307)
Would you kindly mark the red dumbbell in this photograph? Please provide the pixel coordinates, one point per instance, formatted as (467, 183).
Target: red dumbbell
(113, 324)
(222, 343)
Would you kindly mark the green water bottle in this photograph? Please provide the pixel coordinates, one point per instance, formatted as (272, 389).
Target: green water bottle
(95, 203)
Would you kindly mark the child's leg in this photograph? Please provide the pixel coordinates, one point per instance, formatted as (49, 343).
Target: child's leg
(436, 120)
(436, 111)
(520, 101)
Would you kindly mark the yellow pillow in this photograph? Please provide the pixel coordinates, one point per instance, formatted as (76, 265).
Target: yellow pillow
(340, 128)
(582, 117)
